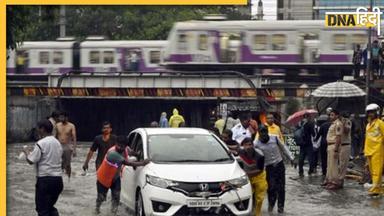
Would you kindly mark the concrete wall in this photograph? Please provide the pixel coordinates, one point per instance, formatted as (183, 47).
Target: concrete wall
(23, 114)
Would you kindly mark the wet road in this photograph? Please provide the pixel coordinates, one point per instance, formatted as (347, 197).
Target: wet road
(303, 197)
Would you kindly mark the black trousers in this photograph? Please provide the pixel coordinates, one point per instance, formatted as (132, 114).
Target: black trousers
(315, 159)
(356, 71)
(306, 152)
(47, 192)
(276, 185)
(102, 194)
(323, 157)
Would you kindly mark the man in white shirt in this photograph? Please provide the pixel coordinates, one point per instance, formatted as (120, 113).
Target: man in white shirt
(46, 156)
(241, 130)
(230, 121)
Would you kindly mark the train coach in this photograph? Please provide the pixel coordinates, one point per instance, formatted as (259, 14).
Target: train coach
(261, 44)
(95, 56)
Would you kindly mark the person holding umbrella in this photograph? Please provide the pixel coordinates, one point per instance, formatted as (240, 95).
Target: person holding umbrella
(306, 129)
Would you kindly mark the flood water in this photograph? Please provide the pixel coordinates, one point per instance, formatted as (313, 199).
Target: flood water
(303, 196)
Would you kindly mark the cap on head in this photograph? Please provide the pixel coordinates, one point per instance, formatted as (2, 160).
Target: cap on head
(373, 107)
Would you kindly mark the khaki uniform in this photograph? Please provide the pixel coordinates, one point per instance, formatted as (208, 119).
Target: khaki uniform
(345, 148)
(336, 129)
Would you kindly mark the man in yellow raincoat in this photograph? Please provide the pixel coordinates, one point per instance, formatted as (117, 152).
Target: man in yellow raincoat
(176, 119)
(374, 148)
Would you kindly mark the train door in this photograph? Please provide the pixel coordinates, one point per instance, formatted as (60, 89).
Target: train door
(76, 57)
(229, 46)
(309, 47)
(22, 61)
(132, 59)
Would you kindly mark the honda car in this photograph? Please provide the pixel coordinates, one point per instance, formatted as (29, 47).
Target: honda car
(191, 173)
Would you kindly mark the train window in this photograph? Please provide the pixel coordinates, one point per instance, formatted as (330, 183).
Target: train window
(279, 42)
(203, 42)
(182, 45)
(358, 39)
(260, 42)
(94, 57)
(58, 57)
(44, 57)
(339, 41)
(154, 57)
(108, 57)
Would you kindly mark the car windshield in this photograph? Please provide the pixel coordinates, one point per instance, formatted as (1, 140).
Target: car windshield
(186, 148)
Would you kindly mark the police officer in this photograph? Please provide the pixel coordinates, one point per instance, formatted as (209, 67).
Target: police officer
(374, 148)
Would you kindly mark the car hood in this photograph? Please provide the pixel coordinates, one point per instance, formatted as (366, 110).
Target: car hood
(196, 172)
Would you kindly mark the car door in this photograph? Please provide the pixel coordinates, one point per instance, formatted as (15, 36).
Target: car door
(127, 184)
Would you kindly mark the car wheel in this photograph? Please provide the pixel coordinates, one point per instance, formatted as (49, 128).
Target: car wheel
(139, 206)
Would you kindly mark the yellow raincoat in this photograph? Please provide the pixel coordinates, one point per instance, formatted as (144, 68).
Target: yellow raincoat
(374, 151)
(259, 188)
(175, 119)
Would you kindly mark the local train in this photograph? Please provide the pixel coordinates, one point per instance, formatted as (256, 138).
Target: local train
(198, 45)
(94, 56)
(261, 44)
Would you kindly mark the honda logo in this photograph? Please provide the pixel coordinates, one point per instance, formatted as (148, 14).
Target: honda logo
(204, 187)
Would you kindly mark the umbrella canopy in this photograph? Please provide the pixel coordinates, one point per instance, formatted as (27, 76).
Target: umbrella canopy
(296, 117)
(338, 89)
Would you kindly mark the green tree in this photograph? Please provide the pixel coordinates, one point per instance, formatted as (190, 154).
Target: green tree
(115, 22)
(17, 22)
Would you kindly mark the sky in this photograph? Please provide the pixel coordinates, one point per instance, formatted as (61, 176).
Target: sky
(270, 8)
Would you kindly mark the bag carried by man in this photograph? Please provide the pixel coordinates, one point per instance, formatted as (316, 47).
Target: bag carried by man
(298, 135)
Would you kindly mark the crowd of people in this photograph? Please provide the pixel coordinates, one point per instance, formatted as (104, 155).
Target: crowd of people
(360, 60)
(260, 148)
(335, 140)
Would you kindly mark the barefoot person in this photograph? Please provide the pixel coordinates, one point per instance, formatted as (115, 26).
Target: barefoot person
(108, 174)
(66, 134)
(47, 157)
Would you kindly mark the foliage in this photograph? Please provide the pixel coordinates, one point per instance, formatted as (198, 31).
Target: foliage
(17, 18)
(114, 22)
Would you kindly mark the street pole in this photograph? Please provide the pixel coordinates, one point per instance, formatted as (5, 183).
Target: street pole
(62, 21)
(369, 66)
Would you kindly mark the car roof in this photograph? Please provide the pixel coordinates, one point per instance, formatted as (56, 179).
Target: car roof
(158, 131)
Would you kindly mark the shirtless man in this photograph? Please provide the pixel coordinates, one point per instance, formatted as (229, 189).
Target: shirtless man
(66, 134)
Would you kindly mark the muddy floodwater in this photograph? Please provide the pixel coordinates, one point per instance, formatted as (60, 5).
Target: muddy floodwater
(303, 197)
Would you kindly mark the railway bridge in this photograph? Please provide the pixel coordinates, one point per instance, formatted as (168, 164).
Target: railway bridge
(134, 100)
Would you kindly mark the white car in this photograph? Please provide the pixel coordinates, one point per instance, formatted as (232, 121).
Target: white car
(190, 173)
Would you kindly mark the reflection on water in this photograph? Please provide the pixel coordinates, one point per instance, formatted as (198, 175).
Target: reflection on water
(303, 196)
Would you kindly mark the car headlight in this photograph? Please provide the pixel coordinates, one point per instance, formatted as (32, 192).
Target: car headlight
(239, 182)
(160, 182)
